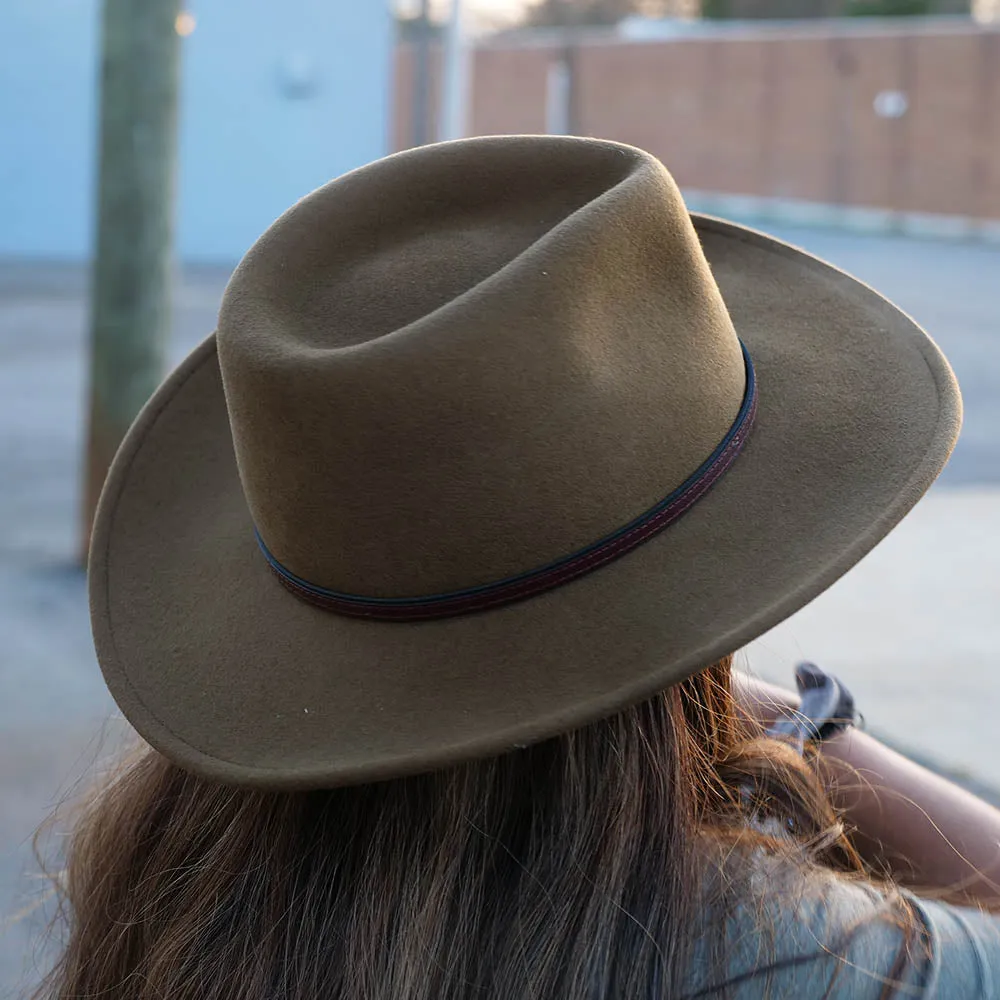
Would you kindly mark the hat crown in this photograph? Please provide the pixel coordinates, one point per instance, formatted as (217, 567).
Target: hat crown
(468, 360)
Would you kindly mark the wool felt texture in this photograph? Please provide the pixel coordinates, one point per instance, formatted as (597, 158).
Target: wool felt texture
(458, 364)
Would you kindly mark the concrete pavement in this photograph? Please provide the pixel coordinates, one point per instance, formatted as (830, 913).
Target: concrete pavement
(914, 629)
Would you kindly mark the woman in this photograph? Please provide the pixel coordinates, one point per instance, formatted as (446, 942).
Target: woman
(423, 574)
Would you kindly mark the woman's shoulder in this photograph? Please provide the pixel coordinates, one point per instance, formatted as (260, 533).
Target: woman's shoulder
(795, 930)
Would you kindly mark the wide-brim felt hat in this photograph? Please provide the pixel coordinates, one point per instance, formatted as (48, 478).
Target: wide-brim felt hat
(493, 439)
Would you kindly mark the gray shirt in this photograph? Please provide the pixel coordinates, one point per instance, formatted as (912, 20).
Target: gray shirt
(827, 936)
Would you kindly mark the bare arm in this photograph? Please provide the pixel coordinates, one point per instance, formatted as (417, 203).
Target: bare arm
(931, 835)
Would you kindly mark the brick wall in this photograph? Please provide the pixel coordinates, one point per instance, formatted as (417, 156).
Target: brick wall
(776, 111)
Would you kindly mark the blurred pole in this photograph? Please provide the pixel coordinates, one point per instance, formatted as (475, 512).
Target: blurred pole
(422, 77)
(455, 86)
(557, 96)
(130, 292)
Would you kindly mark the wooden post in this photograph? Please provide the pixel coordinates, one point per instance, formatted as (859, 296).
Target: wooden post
(130, 290)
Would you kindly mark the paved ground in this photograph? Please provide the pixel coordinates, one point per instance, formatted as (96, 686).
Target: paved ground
(914, 629)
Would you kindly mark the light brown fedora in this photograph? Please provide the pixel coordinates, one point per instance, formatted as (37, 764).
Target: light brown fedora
(475, 457)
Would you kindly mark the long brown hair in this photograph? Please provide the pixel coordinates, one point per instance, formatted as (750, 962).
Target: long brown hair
(577, 868)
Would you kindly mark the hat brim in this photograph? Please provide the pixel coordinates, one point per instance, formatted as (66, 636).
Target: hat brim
(225, 672)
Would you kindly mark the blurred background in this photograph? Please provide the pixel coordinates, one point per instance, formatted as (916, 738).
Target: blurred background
(143, 148)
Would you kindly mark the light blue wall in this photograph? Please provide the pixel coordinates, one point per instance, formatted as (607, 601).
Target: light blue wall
(248, 148)
(278, 97)
(48, 60)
